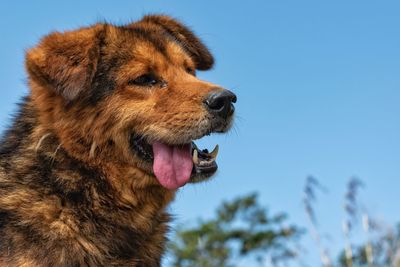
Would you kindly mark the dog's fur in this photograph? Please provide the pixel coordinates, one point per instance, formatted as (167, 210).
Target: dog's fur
(72, 193)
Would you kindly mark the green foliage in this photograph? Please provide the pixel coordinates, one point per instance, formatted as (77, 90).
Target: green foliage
(241, 228)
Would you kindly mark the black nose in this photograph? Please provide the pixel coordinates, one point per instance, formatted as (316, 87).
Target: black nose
(220, 103)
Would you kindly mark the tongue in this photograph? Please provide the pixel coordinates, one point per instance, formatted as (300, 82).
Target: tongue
(172, 164)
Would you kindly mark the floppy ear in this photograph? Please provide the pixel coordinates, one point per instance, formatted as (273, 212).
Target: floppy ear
(66, 62)
(199, 52)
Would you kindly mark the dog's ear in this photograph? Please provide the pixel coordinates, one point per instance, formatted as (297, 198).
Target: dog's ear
(66, 62)
(199, 52)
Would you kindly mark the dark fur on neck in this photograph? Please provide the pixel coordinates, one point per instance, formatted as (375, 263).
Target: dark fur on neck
(56, 210)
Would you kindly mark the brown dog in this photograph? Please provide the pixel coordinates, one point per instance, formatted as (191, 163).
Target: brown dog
(102, 143)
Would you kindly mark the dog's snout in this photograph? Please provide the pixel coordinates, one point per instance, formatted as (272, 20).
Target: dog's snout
(221, 103)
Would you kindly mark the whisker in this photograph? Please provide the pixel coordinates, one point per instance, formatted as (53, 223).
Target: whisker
(39, 143)
(53, 156)
(92, 149)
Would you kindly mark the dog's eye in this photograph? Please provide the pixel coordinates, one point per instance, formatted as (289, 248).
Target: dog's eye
(144, 80)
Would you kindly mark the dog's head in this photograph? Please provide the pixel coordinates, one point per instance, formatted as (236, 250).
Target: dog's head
(130, 94)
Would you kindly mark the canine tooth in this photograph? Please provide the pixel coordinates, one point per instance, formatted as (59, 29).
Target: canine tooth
(195, 156)
(214, 153)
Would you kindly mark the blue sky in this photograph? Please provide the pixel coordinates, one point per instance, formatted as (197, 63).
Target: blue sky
(318, 85)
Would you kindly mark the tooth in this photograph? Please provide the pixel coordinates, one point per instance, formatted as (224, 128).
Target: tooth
(206, 162)
(195, 156)
(214, 153)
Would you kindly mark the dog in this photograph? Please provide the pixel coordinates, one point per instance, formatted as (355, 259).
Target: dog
(103, 141)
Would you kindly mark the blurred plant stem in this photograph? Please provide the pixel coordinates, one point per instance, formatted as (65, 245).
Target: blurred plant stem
(311, 187)
(348, 249)
(352, 209)
(368, 247)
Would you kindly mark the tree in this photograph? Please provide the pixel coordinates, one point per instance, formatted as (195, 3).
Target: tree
(241, 228)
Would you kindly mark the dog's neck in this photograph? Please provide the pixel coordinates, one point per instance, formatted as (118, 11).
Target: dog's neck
(124, 203)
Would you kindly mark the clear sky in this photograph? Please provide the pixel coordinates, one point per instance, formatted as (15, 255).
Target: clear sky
(318, 85)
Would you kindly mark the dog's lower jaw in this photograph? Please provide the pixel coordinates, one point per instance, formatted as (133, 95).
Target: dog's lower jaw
(136, 182)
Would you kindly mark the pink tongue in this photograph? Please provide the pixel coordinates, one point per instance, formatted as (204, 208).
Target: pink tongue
(172, 164)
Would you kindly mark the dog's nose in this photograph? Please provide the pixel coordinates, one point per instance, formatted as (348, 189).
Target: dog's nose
(220, 103)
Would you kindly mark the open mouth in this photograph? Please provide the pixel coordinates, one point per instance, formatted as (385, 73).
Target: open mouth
(176, 165)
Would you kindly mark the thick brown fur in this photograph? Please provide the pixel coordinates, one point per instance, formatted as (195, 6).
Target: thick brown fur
(72, 193)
